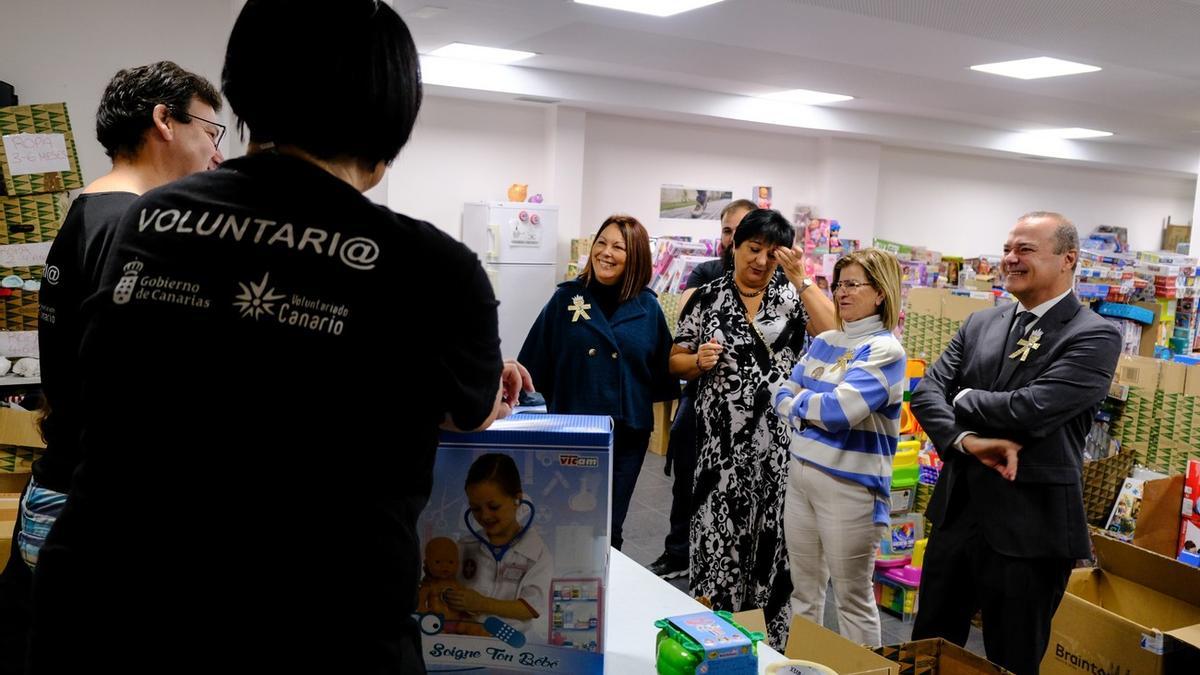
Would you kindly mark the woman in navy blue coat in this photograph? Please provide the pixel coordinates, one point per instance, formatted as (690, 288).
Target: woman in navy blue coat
(601, 347)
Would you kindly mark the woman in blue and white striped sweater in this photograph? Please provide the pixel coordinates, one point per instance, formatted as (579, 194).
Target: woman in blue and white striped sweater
(843, 405)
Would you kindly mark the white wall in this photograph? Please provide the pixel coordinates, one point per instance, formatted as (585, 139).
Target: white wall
(463, 151)
(965, 205)
(65, 50)
(848, 179)
(628, 160)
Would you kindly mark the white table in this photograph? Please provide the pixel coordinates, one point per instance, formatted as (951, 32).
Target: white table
(636, 599)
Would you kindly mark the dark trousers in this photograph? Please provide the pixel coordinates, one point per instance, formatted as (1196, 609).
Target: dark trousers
(629, 451)
(1018, 596)
(681, 455)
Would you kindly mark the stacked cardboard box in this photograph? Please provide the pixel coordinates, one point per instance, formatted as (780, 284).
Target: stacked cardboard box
(38, 153)
(578, 258)
(1101, 480)
(1137, 427)
(1160, 423)
(28, 219)
(670, 308)
(932, 317)
(38, 164)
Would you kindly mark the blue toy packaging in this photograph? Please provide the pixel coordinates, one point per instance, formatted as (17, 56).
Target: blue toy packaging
(515, 543)
(708, 643)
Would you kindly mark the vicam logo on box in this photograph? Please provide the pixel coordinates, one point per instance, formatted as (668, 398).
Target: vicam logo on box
(580, 461)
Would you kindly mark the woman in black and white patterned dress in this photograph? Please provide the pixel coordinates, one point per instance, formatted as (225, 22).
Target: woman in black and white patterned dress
(737, 334)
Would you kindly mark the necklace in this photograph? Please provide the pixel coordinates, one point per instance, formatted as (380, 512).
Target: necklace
(755, 294)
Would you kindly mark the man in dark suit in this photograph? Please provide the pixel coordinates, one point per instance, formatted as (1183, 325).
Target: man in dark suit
(1017, 386)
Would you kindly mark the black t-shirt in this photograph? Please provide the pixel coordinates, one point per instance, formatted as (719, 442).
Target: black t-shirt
(72, 271)
(709, 270)
(296, 347)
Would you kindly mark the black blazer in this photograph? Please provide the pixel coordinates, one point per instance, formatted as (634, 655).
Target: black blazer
(1046, 404)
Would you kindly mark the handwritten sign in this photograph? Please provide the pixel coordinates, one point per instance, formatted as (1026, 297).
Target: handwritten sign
(36, 153)
(24, 255)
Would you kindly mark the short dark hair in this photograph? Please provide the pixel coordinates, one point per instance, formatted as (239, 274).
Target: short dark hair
(637, 255)
(496, 468)
(335, 79)
(766, 225)
(127, 106)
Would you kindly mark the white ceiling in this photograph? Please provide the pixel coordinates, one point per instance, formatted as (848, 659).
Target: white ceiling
(906, 59)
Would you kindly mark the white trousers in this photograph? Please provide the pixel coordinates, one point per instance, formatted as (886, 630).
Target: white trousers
(830, 535)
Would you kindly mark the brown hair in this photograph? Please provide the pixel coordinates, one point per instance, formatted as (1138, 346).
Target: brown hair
(496, 468)
(637, 255)
(883, 271)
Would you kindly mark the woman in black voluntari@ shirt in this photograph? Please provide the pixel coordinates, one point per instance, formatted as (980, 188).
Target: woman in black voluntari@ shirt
(279, 535)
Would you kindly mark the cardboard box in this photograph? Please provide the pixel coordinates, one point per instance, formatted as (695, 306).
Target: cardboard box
(1137, 613)
(20, 428)
(1191, 382)
(29, 219)
(810, 642)
(1158, 520)
(1171, 378)
(1149, 333)
(9, 505)
(16, 465)
(558, 565)
(660, 437)
(958, 308)
(927, 301)
(931, 657)
(43, 157)
(983, 282)
(1138, 371)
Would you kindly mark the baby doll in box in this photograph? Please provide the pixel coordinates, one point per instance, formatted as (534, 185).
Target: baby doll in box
(441, 568)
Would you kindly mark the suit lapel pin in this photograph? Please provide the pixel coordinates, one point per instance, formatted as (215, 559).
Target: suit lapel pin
(580, 308)
(1026, 346)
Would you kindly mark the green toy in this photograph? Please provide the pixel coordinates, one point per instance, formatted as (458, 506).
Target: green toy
(707, 643)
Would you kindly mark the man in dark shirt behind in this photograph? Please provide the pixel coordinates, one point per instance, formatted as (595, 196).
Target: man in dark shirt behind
(156, 124)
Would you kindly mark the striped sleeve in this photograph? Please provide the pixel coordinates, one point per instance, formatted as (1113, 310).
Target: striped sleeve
(876, 369)
(789, 389)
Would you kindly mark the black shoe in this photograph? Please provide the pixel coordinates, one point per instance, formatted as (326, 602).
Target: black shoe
(669, 567)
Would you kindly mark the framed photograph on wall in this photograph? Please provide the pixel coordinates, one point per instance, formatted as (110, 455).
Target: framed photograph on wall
(676, 202)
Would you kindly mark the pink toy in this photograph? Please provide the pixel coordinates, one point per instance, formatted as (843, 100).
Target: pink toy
(907, 575)
(888, 561)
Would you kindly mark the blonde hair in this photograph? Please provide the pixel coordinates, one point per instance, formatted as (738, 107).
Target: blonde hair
(883, 271)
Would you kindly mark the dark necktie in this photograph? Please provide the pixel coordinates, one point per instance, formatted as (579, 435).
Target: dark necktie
(1020, 326)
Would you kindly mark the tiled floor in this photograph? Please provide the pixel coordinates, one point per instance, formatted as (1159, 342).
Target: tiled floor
(648, 522)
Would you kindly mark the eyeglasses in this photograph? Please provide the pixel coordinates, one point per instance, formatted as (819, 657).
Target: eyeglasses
(220, 133)
(850, 286)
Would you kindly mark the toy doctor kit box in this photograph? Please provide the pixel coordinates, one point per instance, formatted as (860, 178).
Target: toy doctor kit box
(515, 545)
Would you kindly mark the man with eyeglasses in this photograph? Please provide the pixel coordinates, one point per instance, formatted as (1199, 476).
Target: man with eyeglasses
(157, 124)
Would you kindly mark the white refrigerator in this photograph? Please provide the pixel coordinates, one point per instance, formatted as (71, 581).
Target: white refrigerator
(517, 242)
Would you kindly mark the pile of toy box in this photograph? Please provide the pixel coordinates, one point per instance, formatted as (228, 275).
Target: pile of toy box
(902, 550)
(38, 165)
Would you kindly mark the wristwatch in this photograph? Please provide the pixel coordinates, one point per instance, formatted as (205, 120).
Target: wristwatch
(804, 285)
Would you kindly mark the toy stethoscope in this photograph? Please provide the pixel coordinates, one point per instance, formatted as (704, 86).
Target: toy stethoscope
(499, 551)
